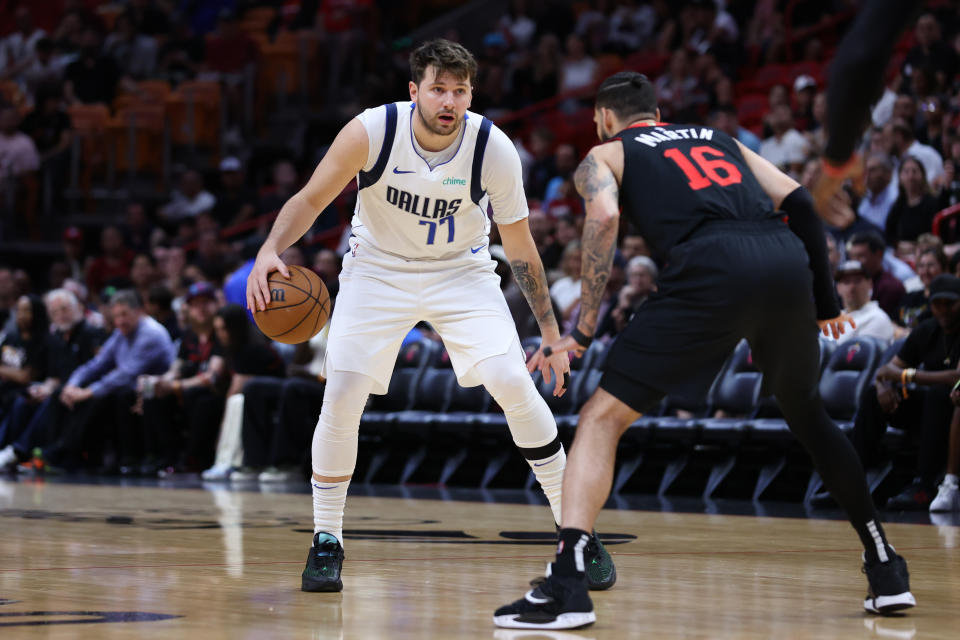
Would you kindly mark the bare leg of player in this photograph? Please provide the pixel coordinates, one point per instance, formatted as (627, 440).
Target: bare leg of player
(589, 473)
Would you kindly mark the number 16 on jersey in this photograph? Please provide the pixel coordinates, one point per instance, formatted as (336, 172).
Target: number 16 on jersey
(432, 229)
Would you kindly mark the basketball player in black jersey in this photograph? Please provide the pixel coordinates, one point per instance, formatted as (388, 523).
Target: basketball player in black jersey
(745, 258)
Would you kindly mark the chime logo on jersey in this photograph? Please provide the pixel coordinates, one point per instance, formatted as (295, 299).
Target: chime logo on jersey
(422, 206)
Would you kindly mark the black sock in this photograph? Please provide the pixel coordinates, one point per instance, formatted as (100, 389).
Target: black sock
(570, 552)
(874, 540)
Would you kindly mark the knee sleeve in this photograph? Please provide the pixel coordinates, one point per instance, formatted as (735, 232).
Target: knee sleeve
(506, 378)
(335, 438)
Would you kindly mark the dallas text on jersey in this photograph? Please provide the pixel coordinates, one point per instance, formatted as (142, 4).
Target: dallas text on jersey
(413, 203)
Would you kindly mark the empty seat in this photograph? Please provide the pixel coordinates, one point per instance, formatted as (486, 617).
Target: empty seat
(849, 369)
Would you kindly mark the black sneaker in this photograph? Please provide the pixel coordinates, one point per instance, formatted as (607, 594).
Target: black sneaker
(324, 563)
(558, 603)
(601, 573)
(915, 497)
(600, 570)
(889, 586)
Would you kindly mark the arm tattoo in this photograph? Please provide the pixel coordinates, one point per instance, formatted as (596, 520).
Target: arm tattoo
(591, 182)
(533, 283)
(599, 237)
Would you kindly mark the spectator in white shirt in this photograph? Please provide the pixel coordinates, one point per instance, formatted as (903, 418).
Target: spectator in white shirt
(566, 291)
(855, 289)
(578, 68)
(189, 200)
(19, 45)
(18, 153)
(905, 144)
(786, 148)
(882, 190)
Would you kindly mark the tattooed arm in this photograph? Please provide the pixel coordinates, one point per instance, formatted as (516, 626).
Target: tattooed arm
(528, 271)
(596, 183)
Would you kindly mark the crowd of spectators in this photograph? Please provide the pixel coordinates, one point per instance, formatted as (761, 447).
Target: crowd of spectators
(166, 262)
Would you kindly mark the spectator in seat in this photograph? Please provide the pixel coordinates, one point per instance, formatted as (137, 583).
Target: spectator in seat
(277, 450)
(18, 152)
(246, 354)
(181, 56)
(285, 184)
(189, 200)
(566, 291)
(23, 352)
(906, 145)
(854, 287)
(544, 165)
(578, 68)
(912, 392)
(134, 53)
(804, 91)
(92, 77)
(786, 148)
(72, 343)
(143, 274)
(185, 403)
(867, 248)
(101, 392)
(137, 227)
(113, 262)
(236, 202)
(912, 213)
(633, 245)
(48, 125)
(882, 190)
(948, 493)
(931, 51)
(915, 305)
(159, 306)
(326, 264)
(19, 47)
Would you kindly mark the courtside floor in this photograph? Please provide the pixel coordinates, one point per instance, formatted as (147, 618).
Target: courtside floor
(106, 561)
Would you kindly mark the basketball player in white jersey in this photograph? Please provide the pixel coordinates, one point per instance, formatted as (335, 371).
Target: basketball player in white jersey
(427, 170)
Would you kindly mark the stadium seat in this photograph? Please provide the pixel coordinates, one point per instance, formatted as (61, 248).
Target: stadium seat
(137, 139)
(411, 364)
(849, 369)
(195, 113)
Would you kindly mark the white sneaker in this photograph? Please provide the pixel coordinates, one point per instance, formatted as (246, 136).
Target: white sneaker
(8, 458)
(217, 472)
(948, 498)
(278, 474)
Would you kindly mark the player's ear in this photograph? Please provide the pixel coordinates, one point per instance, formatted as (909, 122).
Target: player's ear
(412, 86)
(658, 115)
(609, 120)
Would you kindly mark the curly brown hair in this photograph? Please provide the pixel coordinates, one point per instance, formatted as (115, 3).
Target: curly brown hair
(446, 57)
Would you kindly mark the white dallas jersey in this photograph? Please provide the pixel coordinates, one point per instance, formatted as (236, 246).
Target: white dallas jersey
(419, 205)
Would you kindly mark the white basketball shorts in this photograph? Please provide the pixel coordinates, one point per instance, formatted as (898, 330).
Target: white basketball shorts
(383, 296)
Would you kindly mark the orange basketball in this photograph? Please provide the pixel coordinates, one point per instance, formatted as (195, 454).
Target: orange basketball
(298, 308)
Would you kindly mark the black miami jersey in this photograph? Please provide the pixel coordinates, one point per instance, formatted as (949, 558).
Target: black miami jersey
(677, 177)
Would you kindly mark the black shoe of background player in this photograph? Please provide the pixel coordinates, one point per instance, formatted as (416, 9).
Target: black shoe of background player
(917, 496)
(889, 586)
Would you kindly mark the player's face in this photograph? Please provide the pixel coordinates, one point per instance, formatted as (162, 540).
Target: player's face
(441, 101)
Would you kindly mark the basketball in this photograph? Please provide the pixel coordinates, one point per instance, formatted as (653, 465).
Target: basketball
(298, 307)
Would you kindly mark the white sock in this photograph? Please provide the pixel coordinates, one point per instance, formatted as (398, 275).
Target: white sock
(329, 499)
(549, 473)
(951, 479)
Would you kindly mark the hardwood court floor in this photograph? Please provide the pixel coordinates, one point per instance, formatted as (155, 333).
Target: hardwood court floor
(83, 561)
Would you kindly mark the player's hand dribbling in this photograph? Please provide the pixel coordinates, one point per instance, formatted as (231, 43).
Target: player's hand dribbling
(258, 289)
(835, 326)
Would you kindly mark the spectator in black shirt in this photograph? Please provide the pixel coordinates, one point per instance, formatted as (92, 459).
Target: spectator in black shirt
(912, 213)
(245, 351)
(189, 396)
(236, 201)
(915, 306)
(92, 77)
(181, 55)
(23, 352)
(72, 343)
(931, 51)
(912, 392)
(159, 306)
(48, 124)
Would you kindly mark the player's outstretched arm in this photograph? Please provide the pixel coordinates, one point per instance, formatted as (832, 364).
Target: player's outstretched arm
(528, 271)
(597, 185)
(343, 161)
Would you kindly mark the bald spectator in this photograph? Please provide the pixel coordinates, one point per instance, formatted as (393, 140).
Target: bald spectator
(786, 148)
(905, 144)
(867, 248)
(881, 190)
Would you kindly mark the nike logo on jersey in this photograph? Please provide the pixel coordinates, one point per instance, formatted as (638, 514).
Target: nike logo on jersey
(397, 170)
(477, 250)
(422, 206)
